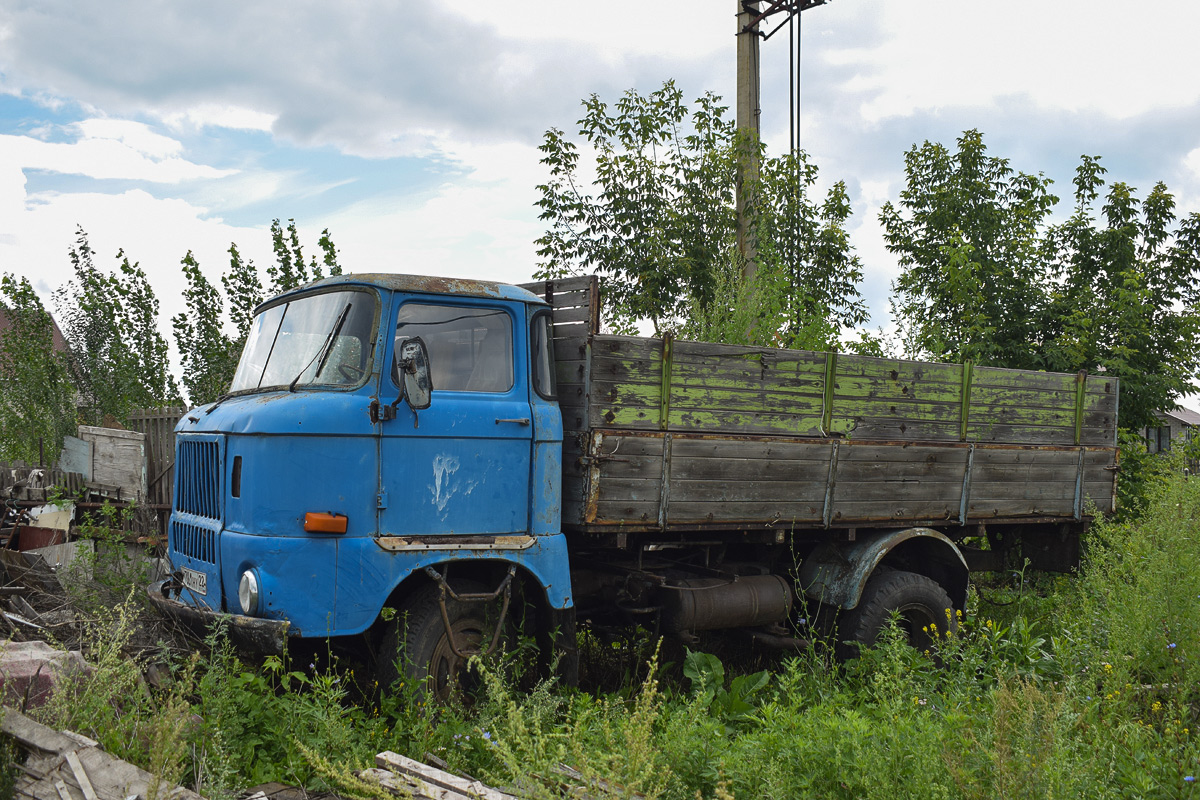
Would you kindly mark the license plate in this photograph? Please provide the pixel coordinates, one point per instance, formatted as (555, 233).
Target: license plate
(194, 581)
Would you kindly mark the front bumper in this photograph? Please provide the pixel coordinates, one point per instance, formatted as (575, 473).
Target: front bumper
(250, 634)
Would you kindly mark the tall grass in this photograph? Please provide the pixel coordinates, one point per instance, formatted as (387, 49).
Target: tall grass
(1088, 686)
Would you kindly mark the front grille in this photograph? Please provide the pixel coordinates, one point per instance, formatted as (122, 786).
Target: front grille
(193, 541)
(198, 478)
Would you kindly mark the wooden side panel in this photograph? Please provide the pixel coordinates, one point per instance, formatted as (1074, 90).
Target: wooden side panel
(575, 304)
(713, 480)
(630, 483)
(651, 384)
(571, 371)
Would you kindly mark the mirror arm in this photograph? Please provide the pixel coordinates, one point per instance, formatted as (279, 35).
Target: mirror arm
(409, 366)
(383, 413)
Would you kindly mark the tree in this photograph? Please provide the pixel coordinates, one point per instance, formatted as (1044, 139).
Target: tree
(245, 293)
(207, 355)
(36, 397)
(290, 269)
(212, 331)
(804, 293)
(987, 279)
(966, 232)
(660, 224)
(662, 212)
(1126, 298)
(119, 360)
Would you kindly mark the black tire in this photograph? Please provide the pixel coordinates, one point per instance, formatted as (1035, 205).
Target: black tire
(924, 611)
(415, 648)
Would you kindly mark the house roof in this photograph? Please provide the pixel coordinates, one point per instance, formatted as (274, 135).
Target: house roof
(1184, 415)
(60, 341)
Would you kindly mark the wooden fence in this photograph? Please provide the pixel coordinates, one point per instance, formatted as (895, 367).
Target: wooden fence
(159, 426)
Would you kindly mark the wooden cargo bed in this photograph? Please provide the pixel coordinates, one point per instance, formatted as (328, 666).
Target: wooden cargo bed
(665, 435)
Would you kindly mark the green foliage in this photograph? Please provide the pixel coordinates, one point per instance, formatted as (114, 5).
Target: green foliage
(34, 379)
(707, 675)
(987, 279)
(662, 213)
(244, 292)
(108, 558)
(1125, 299)
(207, 353)
(110, 704)
(806, 243)
(259, 720)
(1073, 687)
(290, 269)
(660, 222)
(118, 360)
(966, 235)
(761, 312)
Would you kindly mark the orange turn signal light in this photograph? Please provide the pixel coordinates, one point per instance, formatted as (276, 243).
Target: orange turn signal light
(324, 522)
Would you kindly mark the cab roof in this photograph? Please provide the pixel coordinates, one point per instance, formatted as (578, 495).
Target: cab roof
(428, 284)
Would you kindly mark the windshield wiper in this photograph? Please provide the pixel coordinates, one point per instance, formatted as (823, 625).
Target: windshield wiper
(326, 349)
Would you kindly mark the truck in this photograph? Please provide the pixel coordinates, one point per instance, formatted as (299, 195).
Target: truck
(421, 464)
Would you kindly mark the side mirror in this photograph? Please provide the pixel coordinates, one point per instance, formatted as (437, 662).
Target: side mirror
(414, 369)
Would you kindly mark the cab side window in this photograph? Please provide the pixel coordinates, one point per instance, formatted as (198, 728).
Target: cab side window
(470, 348)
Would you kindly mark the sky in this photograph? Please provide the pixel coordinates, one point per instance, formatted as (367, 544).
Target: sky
(410, 130)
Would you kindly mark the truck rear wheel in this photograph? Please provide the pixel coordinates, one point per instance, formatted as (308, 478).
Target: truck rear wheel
(924, 611)
(417, 649)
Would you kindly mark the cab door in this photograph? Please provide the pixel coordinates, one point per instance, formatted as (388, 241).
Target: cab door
(461, 466)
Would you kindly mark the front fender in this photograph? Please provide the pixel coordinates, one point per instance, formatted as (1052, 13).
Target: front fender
(836, 573)
(369, 570)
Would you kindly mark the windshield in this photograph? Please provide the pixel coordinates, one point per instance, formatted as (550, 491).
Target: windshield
(322, 339)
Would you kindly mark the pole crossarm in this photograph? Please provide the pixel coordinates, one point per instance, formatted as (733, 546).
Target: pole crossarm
(790, 7)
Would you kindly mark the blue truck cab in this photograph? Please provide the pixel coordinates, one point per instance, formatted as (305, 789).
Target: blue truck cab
(388, 441)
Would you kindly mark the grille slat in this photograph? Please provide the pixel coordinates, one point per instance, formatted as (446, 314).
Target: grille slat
(198, 468)
(193, 541)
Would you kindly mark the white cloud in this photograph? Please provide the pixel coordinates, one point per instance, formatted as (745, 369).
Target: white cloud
(618, 29)
(136, 136)
(481, 225)
(215, 115)
(108, 149)
(1192, 162)
(1066, 55)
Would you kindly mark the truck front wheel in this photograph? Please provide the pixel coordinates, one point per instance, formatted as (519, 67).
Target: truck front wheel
(923, 609)
(416, 648)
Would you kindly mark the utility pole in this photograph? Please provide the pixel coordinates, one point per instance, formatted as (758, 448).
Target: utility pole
(749, 15)
(748, 113)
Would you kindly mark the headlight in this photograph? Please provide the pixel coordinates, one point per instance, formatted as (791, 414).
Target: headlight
(248, 593)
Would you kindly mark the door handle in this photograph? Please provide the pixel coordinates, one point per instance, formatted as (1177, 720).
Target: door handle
(517, 420)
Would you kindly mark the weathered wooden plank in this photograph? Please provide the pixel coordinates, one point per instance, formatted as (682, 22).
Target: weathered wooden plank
(721, 491)
(577, 314)
(572, 511)
(748, 511)
(684, 446)
(433, 776)
(705, 398)
(644, 467)
(621, 445)
(639, 490)
(744, 469)
(884, 471)
(567, 296)
(118, 458)
(570, 347)
(570, 370)
(625, 511)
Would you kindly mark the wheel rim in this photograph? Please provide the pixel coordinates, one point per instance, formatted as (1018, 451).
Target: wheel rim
(919, 623)
(448, 673)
